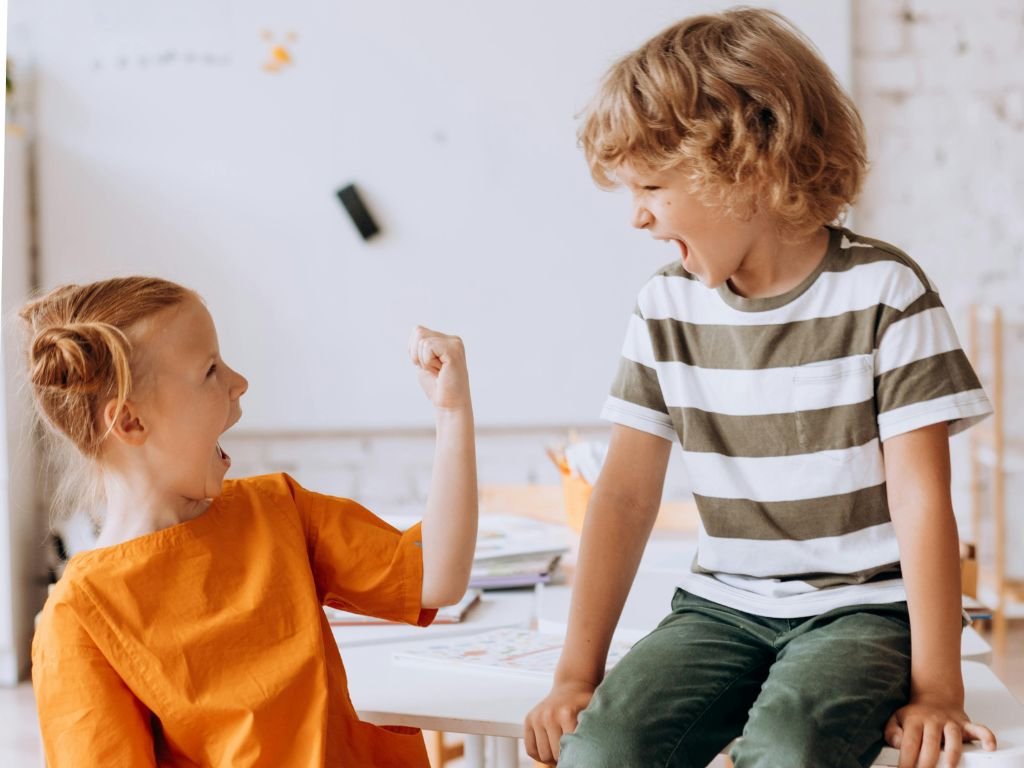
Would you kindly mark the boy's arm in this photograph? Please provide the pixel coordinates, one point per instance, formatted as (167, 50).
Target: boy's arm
(618, 522)
(450, 519)
(917, 476)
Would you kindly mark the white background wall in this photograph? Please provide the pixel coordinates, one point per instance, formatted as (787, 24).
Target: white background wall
(165, 147)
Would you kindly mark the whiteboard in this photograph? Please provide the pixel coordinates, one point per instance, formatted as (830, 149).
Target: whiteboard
(167, 147)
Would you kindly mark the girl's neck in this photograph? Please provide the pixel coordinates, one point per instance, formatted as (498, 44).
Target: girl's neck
(136, 509)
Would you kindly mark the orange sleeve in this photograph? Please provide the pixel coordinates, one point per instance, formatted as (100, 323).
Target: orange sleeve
(87, 715)
(360, 563)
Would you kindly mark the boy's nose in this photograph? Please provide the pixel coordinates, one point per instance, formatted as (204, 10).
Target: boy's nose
(642, 217)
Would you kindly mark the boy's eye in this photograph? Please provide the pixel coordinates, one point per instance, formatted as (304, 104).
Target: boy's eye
(650, 188)
(213, 369)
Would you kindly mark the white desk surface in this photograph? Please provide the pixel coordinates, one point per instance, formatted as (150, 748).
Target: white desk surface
(386, 693)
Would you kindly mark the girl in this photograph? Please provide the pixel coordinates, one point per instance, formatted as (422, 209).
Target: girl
(193, 634)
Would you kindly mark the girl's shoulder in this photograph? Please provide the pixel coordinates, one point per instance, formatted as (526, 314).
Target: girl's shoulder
(61, 621)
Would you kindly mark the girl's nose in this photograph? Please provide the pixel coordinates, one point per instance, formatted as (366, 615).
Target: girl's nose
(240, 385)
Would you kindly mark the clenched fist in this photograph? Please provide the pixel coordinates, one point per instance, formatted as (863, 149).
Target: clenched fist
(441, 366)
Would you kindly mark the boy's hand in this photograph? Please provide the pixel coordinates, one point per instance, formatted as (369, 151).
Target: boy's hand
(921, 728)
(441, 363)
(555, 715)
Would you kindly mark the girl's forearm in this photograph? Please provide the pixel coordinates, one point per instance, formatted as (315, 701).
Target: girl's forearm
(450, 519)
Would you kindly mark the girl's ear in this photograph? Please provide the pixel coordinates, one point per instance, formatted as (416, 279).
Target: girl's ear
(127, 426)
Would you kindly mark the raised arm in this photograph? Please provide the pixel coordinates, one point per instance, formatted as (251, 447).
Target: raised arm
(450, 520)
(618, 522)
(917, 477)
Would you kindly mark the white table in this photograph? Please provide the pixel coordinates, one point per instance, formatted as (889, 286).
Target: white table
(481, 704)
(453, 701)
(385, 693)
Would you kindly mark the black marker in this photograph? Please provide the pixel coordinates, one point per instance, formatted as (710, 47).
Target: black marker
(353, 203)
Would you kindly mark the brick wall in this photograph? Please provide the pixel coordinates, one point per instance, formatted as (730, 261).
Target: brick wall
(940, 85)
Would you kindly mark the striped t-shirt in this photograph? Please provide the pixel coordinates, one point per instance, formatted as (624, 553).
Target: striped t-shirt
(781, 406)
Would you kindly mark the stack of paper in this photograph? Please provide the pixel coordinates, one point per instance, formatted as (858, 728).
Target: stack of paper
(516, 552)
(507, 573)
(509, 651)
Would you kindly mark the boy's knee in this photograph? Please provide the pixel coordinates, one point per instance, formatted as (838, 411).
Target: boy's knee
(801, 744)
(603, 745)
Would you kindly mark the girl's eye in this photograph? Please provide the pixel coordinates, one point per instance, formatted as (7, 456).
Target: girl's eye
(213, 369)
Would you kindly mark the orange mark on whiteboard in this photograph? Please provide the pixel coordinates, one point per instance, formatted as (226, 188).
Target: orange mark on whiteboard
(278, 57)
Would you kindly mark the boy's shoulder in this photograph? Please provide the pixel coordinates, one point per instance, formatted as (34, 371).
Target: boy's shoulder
(855, 250)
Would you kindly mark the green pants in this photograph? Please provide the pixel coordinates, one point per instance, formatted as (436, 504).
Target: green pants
(803, 693)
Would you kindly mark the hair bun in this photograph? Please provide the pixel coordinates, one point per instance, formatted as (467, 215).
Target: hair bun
(77, 357)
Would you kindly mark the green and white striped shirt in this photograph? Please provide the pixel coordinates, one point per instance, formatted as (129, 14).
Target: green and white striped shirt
(781, 406)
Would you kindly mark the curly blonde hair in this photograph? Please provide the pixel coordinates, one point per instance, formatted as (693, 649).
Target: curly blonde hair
(743, 103)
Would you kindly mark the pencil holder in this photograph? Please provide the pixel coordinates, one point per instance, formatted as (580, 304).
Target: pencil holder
(577, 496)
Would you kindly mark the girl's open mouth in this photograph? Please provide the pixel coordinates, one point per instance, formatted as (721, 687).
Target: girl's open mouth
(223, 455)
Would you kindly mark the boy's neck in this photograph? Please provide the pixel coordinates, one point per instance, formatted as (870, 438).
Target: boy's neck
(772, 266)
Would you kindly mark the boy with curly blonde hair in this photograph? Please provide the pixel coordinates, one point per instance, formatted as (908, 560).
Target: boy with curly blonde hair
(812, 378)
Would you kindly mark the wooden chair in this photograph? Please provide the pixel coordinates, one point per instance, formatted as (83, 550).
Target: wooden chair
(992, 458)
(439, 751)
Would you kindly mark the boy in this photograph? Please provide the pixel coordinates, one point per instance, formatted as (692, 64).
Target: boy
(812, 377)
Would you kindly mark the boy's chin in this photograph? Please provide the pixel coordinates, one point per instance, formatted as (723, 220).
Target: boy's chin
(706, 281)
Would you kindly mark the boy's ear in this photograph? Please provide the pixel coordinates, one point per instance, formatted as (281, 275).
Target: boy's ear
(127, 426)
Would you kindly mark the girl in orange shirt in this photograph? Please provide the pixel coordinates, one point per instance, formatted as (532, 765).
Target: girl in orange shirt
(193, 634)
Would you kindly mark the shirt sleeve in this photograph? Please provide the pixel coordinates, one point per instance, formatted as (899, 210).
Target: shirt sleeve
(636, 399)
(922, 375)
(360, 563)
(87, 714)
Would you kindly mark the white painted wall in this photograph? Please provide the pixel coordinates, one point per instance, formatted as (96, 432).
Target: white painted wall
(164, 147)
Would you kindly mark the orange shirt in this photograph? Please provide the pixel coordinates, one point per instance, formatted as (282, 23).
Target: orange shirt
(204, 644)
